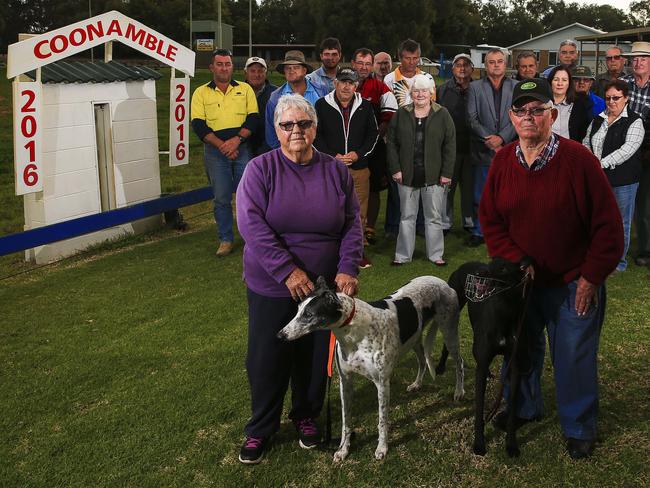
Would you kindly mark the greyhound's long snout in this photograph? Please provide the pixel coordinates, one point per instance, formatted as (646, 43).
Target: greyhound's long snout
(282, 335)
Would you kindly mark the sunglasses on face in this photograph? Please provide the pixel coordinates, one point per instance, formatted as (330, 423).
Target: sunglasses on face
(613, 98)
(302, 125)
(535, 112)
(613, 58)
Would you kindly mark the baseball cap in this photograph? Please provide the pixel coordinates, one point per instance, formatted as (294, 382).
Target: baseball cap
(462, 56)
(347, 74)
(532, 89)
(254, 60)
(582, 72)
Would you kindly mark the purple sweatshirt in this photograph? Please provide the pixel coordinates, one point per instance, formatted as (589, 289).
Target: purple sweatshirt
(297, 216)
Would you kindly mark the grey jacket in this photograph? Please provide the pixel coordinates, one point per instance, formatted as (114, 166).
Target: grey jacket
(439, 144)
(482, 118)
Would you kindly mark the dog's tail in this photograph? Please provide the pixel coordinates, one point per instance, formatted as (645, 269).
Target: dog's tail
(457, 283)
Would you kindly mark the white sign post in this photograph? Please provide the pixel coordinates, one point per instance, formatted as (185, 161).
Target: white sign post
(179, 108)
(28, 150)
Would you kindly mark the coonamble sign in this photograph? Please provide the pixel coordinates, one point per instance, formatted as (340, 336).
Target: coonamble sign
(58, 44)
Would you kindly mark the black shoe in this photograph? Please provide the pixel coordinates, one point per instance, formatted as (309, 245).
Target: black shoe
(475, 241)
(642, 261)
(252, 451)
(371, 237)
(308, 435)
(397, 263)
(445, 231)
(578, 448)
(501, 421)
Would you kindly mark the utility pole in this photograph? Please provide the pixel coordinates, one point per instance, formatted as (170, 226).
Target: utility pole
(220, 40)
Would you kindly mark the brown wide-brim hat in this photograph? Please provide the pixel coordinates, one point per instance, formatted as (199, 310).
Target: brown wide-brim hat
(639, 48)
(293, 57)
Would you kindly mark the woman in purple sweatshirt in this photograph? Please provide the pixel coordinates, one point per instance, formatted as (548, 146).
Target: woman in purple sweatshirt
(299, 217)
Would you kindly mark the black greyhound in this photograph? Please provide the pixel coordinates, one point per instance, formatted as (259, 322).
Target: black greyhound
(497, 293)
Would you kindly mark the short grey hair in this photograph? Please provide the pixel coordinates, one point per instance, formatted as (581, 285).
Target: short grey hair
(296, 102)
(569, 42)
(421, 82)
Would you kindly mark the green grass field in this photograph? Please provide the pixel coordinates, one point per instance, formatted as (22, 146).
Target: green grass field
(125, 367)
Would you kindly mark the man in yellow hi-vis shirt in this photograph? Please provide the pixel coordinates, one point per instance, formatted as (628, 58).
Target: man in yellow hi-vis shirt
(224, 115)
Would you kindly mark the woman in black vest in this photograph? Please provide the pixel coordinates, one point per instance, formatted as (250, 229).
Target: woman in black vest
(615, 137)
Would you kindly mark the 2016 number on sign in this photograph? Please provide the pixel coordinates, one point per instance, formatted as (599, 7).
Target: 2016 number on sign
(178, 121)
(27, 137)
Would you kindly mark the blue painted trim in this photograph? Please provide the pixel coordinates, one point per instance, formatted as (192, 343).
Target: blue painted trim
(92, 223)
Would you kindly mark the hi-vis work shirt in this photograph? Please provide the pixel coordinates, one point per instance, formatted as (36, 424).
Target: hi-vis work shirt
(224, 113)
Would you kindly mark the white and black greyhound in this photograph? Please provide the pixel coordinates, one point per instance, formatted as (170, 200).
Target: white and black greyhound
(372, 336)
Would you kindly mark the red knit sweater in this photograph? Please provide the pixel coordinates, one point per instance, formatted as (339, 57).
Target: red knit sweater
(564, 216)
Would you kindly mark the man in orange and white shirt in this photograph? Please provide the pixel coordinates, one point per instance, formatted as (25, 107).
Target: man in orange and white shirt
(400, 80)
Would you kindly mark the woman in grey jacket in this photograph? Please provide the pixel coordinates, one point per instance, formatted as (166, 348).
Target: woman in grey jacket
(421, 150)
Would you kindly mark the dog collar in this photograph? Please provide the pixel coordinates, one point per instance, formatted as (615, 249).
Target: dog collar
(349, 319)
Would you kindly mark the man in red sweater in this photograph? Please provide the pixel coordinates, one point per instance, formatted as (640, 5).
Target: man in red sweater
(547, 197)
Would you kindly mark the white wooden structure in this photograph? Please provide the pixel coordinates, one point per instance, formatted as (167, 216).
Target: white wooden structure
(547, 45)
(93, 127)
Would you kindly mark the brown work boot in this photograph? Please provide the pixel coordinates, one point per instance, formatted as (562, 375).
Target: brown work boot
(225, 248)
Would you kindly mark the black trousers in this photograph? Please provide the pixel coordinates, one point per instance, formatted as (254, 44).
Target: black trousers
(273, 364)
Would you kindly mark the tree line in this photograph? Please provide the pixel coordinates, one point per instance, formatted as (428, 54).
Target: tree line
(377, 24)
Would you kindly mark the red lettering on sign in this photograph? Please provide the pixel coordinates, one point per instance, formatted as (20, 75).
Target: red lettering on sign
(31, 96)
(171, 52)
(114, 27)
(181, 92)
(150, 42)
(63, 45)
(159, 49)
(30, 174)
(180, 151)
(28, 126)
(136, 35)
(38, 52)
(77, 37)
(95, 30)
(179, 113)
(31, 147)
(181, 131)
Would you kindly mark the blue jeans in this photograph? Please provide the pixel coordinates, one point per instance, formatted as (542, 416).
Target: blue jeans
(625, 196)
(224, 176)
(480, 175)
(573, 347)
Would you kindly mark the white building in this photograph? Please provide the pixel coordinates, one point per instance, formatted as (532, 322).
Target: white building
(547, 45)
(100, 149)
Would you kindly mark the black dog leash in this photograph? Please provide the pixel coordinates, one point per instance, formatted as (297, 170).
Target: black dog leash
(527, 281)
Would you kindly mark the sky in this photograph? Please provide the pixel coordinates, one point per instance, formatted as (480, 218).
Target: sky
(621, 4)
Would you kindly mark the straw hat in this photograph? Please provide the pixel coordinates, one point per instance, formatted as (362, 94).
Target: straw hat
(293, 57)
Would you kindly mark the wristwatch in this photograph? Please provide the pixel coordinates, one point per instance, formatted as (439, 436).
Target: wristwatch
(242, 139)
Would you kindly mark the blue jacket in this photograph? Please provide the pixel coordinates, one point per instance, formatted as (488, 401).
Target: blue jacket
(311, 95)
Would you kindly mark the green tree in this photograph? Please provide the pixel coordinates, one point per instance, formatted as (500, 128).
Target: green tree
(640, 13)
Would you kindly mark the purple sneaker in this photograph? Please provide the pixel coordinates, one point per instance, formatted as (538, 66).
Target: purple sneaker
(308, 435)
(252, 451)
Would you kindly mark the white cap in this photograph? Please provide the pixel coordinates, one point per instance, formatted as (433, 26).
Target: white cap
(254, 60)
(462, 56)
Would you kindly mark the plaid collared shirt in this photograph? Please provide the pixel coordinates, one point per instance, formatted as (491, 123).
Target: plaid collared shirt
(639, 100)
(544, 157)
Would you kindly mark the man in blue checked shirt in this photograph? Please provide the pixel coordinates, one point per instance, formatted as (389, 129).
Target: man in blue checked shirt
(295, 69)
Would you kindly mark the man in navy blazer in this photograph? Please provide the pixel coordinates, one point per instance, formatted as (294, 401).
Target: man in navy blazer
(488, 102)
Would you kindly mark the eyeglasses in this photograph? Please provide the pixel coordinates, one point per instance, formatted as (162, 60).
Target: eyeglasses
(613, 98)
(613, 58)
(535, 112)
(302, 125)
(221, 52)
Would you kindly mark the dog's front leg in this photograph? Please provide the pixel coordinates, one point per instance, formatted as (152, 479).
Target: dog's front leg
(345, 383)
(479, 399)
(383, 400)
